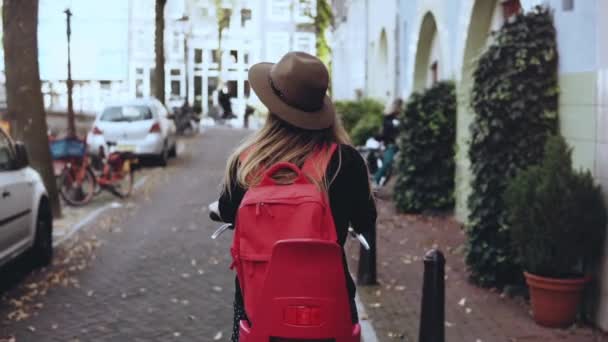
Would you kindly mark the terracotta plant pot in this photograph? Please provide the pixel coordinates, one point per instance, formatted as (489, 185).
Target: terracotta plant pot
(554, 301)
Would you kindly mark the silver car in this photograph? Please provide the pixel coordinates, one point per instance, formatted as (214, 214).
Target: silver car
(26, 220)
(141, 126)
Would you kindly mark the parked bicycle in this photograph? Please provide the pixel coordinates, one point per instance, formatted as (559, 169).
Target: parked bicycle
(76, 180)
(82, 177)
(114, 170)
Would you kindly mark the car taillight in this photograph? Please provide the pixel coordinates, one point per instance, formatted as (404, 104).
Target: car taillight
(302, 315)
(155, 128)
(97, 131)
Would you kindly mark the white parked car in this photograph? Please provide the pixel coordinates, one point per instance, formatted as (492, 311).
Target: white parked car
(26, 220)
(141, 126)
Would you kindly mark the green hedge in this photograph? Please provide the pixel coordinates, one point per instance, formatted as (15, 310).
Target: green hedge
(362, 119)
(426, 164)
(515, 99)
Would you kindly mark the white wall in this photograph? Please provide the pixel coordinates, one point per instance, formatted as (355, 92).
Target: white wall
(382, 16)
(348, 66)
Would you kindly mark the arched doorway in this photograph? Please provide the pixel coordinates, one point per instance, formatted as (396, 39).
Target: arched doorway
(427, 64)
(381, 85)
(483, 15)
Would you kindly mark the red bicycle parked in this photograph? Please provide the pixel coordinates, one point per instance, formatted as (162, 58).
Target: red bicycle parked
(76, 180)
(81, 178)
(115, 173)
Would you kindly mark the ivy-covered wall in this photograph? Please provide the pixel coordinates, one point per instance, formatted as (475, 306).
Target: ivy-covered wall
(515, 99)
(425, 167)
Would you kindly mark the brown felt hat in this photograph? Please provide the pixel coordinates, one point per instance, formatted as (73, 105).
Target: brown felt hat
(295, 89)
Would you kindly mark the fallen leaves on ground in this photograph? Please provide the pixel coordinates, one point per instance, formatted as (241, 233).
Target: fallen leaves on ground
(68, 261)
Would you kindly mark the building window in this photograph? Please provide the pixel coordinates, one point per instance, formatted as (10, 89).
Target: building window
(246, 58)
(277, 44)
(511, 8)
(175, 72)
(245, 16)
(247, 89)
(105, 85)
(280, 10)
(305, 42)
(567, 5)
(139, 88)
(307, 10)
(139, 71)
(204, 12)
(176, 88)
(198, 56)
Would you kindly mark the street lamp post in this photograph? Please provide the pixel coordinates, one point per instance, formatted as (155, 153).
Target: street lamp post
(184, 21)
(70, 83)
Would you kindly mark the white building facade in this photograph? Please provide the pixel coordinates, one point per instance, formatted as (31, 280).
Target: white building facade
(113, 58)
(440, 40)
(257, 31)
(367, 28)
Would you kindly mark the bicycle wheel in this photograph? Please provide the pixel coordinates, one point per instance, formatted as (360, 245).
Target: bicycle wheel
(124, 187)
(73, 192)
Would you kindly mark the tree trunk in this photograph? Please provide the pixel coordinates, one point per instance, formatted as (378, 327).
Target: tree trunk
(23, 94)
(159, 49)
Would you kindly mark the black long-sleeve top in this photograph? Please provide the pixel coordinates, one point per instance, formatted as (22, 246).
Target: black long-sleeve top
(349, 194)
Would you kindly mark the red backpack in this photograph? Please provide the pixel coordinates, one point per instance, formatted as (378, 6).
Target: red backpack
(270, 212)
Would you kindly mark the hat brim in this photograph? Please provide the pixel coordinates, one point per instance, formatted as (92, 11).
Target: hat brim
(260, 83)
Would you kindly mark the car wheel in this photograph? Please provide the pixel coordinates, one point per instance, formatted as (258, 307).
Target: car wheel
(42, 250)
(173, 151)
(163, 159)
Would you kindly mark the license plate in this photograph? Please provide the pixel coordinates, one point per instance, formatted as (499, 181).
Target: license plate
(125, 148)
(126, 166)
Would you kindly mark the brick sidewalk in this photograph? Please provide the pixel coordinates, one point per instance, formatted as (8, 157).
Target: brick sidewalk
(472, 314)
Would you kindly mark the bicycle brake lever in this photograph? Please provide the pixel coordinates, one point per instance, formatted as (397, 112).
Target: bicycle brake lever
(221, 230)
(361, 238)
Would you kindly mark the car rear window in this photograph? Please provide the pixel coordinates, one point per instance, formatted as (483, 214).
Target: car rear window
(126, 113)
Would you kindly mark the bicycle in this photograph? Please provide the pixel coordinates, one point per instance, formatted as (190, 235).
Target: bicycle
(115, 170)
(76, 181)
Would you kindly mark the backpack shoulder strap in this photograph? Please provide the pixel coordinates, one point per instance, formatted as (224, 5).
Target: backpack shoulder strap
(316, 164)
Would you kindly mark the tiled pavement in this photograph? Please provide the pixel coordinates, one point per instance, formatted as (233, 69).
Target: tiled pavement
(472, 314)
(146, 272)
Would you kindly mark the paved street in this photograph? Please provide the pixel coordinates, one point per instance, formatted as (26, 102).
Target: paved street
(146, 272)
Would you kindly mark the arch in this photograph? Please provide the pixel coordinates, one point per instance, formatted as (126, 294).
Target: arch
(427, 41)
(382, 75)
(478, 29)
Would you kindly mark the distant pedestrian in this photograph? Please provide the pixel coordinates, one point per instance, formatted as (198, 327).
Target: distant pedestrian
(249, 110)
(390, 130)
(224, 100)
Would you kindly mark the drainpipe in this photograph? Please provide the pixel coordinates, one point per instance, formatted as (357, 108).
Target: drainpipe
(366, 84)
(397, 51)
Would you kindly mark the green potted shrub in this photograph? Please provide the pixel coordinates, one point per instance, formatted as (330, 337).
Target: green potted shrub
(557, 221)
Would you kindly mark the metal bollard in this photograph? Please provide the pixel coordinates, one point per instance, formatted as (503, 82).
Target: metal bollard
(432, 315)
(366, 270)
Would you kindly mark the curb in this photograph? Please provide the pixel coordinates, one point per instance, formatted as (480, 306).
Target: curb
(368, 334)
(94, 214)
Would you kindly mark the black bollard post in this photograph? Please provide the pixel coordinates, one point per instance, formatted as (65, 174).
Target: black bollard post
(366, 271)
(432, 315)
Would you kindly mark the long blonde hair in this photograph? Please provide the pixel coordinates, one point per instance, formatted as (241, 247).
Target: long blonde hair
(276, 142)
